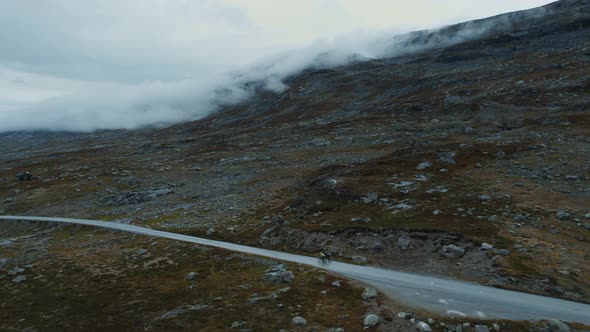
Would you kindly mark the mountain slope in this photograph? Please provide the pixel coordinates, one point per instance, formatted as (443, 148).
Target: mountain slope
(460, 157)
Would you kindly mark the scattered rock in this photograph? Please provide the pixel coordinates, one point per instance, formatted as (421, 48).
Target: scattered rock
(299, 321)
(182, 310)
(447, 157)
(520, 218)
(421, 178)
(439, 189)
(562, 215)
(452, 251)
(436, 212)
(278, 275)
(486, 246)
(572, 178)
(431, 321)
(404, 187)
(502, 252)
(330, 182)
(136, 197)
(371, 320)
(278, 219)
(423, 327)
(238, 324)
(361, 220)
(424, 165)
(404, 315)
(481, 328)
(160, 192)
(587, 216)
(369, 293)
(555, 325)
(493, 218)
(370, 198)
(402, 206)
(15, 270)
(377, 246)
(337, 283)
(191, 276)
(361, 260)
(19, 279)
(403, 242)
(485, 198)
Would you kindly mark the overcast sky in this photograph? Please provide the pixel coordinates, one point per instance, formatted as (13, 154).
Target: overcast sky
(80, 65)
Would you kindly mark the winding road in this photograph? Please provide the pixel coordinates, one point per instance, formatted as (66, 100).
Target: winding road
(447, 297)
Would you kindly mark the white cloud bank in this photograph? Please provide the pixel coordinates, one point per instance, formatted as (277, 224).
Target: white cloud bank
(111, 64)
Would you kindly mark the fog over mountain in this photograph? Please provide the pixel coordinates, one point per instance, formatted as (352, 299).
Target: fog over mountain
(65, 65)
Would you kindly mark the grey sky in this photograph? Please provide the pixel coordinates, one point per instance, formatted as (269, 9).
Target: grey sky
(79, 65)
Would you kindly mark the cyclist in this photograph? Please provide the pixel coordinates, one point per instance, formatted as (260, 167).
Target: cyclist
(324, 257)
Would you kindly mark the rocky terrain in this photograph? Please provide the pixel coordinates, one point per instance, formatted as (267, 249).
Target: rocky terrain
(468, 160)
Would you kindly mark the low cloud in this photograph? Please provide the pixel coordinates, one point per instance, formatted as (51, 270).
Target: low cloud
(125, 65)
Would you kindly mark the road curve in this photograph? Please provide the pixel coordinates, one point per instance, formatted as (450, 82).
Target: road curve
(450, 297)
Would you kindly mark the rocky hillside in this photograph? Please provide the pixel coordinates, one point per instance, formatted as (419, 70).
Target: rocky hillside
(465, 156)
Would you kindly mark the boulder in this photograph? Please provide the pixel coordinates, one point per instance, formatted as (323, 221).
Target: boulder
(555, 325)
(278, 275)
(299, 321)
(404, 315)
(481, 328)
(369, 293)
(371, 320)
(337, 284)
(562, 215)
(423, 327)
(452, 251)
